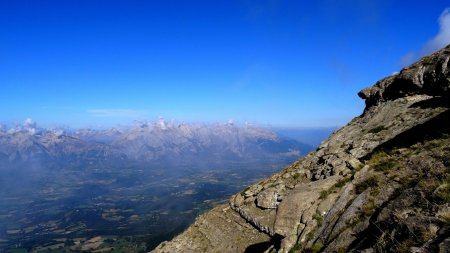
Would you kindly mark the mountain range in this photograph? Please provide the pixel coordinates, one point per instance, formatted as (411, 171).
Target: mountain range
(156, 142)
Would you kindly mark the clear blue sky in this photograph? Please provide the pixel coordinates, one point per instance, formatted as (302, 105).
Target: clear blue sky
(284, 63)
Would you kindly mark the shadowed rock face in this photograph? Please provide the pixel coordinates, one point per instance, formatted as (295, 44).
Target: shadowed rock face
(379, 184)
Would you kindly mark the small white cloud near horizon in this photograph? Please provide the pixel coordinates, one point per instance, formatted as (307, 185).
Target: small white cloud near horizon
(439, 41)
(115, 113)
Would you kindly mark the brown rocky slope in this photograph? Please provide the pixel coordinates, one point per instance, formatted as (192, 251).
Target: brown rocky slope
(379, 184)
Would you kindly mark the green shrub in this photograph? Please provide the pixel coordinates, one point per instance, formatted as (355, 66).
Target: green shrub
(243, 192)
(311, 234)
(381, 161)
(386, 165)
(445, 217)
(443, 192)
(434, 144)
(318, 218)
(427, 60)
(316, 248)
(428, 185)
(370, 182)
(342, 249)
(376, 129)
(368, 208)
(341, 182)
(295, 248)
(404, 246)
(337, 185)
(324, 194)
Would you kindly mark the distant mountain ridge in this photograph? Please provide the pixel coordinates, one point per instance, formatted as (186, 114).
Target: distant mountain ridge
(148, 142)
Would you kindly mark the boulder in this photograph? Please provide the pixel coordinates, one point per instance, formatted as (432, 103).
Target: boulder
(268, 199)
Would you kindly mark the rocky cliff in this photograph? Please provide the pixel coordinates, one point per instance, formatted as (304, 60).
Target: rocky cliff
(379, 184)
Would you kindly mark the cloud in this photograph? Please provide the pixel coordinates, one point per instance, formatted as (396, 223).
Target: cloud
(441, 39)
(116, 113)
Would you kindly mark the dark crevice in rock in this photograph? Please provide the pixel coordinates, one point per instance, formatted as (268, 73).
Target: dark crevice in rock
(429, 130)
(400, 88)
(258, 247)
(275, 243)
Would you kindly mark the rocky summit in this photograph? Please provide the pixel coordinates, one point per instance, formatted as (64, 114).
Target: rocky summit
(379, 184)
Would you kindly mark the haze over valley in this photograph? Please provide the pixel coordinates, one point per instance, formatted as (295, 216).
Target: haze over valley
(134, 186)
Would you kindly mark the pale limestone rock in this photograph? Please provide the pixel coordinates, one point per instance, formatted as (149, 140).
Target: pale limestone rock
(239, 199)
(291, 209)
(355, 163)
(267, 199)
(326, 204)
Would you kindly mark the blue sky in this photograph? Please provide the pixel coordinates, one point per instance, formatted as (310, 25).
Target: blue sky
(283, 63)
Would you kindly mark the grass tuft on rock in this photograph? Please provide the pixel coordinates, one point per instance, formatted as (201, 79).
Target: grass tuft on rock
(376, 129)
(339, 184)
(381, 161)
(371, 182)
(316, 248)
(295, 248)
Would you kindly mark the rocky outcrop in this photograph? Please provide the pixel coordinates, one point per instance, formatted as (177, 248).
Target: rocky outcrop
(428, 76)
(379, 184)
(205, 234)
(268, 199)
